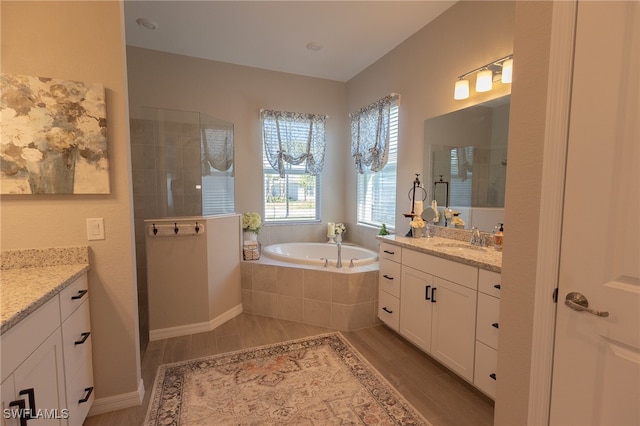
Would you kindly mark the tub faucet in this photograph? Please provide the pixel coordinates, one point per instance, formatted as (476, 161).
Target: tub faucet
(339, 262)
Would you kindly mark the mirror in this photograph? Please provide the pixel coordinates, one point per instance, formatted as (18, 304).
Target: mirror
(466, 154)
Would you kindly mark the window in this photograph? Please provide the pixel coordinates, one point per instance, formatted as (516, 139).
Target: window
(376, 192)
(293, 156)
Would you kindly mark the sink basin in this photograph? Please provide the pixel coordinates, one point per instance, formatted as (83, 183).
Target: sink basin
(460, 246)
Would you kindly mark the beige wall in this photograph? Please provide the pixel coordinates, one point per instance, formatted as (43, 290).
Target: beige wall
(423, 70)
(522, 209)
(83, 41)
(236, 94)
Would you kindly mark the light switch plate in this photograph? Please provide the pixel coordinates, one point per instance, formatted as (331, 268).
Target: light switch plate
(95, 228)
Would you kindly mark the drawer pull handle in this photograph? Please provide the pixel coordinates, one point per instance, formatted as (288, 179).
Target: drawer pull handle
(495, 324)
(426, 292)
(85, 336)
(389, 252)
(21, 409)
(32, 401)
(433, 295)
(86, 397)
(79, 295)
(387, 277)
(387, 310)
(493, 376)
(496, 286)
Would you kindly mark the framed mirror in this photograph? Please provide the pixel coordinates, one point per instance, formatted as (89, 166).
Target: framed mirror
(466, 154)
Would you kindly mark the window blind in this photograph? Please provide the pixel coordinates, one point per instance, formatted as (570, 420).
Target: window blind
(376, 192)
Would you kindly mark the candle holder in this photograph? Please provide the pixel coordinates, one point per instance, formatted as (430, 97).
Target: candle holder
(412, 197)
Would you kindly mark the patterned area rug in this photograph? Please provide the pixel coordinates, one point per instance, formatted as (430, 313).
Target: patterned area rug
(320, 380)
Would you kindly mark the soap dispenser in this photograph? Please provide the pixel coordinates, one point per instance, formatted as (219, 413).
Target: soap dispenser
(498, 237)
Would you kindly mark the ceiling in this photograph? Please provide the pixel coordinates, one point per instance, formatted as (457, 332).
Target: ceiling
(274, 34)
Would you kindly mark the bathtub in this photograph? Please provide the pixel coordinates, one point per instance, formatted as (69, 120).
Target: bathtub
(290, 282)
(316, 253)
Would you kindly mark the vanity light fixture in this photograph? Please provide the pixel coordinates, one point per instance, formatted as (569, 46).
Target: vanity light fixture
(486, 75)
(462, 89)
(484, 80)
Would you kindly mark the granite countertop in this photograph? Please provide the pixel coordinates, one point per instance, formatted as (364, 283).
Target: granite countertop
(459, 251)
(25, 287)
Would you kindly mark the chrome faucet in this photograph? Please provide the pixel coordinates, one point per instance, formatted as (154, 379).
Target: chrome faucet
(339, 262)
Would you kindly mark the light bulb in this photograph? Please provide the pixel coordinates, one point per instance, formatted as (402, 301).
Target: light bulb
(484, 81)
(461, 90)
(507, 71)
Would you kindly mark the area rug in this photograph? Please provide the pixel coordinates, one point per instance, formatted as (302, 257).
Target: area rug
(320, 380)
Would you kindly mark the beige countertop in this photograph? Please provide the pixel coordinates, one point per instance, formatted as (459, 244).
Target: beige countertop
(460, 251)
(25, 287)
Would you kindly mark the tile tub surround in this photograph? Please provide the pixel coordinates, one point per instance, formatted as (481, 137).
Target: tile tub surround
(344, 300)
(31, 277)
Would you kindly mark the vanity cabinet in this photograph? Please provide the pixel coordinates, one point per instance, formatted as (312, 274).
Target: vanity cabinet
(438, 314)
(487, 330)
(447, 308)
(389, 285)
(33, 365)
(46, 361)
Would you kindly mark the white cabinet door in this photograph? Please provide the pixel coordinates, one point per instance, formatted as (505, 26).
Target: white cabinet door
(415, 307)
(43, 371)
(454, 323)
(8, 391)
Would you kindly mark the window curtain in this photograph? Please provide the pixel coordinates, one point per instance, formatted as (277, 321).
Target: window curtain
(294, 138)
(370, 135)
(217, 149)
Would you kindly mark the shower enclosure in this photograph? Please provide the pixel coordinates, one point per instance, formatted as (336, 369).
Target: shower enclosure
(182, 164)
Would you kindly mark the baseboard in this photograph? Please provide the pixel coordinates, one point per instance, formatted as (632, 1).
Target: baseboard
(183, 330)
(118, 402)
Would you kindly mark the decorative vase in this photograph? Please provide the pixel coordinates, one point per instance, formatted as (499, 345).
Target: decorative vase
(416, 232)
(250, 236)
(338, 238)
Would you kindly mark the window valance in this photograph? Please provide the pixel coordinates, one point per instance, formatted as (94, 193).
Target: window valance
(370, 135)
(294, 138)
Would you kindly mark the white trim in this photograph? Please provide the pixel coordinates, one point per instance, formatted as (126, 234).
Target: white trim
(183, 330)
(551, 207)
(118, 402)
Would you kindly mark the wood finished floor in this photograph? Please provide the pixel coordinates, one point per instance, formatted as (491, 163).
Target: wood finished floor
(441, 396)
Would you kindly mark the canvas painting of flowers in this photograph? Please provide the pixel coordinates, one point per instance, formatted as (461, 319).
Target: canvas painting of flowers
(53, 136)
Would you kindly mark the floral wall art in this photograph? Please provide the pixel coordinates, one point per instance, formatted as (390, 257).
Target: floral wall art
(53, 136)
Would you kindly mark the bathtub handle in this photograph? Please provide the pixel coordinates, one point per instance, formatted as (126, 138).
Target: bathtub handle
(351, 264)
(326, 261)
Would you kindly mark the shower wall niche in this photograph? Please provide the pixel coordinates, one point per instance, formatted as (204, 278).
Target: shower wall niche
(182, 164)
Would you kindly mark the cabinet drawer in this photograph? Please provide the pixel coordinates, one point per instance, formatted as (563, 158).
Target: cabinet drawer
(23, 338)
(73, 296)
(77, 390)
(487, 320)
(449, 270)
(489, 282)
(391, 252)
(76, 341)
(389, 310)
(389, 277)
(485, 371)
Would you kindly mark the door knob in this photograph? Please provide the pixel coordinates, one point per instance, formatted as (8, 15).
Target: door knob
(578, 302)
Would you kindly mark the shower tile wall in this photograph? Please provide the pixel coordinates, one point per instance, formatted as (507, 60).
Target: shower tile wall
(165, 159)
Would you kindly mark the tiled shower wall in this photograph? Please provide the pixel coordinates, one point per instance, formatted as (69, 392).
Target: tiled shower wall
(166, 167)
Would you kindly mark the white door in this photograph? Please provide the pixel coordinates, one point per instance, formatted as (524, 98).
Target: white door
(596, 372)
(453, 332)
(415, 307)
